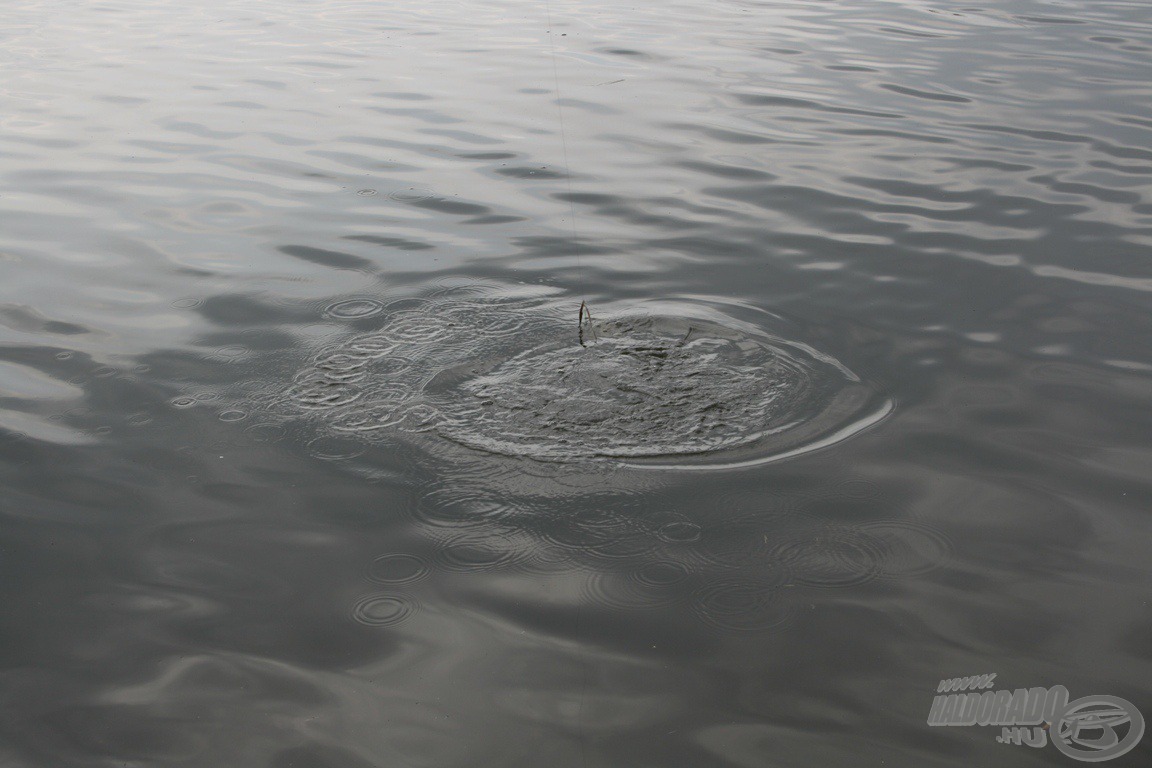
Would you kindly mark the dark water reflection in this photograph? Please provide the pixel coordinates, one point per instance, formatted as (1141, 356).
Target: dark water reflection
(203, 210)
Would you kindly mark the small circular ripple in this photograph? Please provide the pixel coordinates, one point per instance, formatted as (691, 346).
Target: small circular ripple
(461, 508)
(733, 541)
(490, 320)
(228, 354)
(319, 391)
(836, 556)
(661, 575)
(458, 289)
(741, 605)
(266, 433)
(383, 610)
(606, 531)
(368, 418)
(621, 539)
(324, 395)
(333, 448)
(340, 368)
(485, 550)
(857, 489)
(679, 532)
(412, 194)
(415, 327)
(392, 367)
(420, 417)
(354, 309)
(911, 549)
(371, 345)
(652, 585)
(397, 568)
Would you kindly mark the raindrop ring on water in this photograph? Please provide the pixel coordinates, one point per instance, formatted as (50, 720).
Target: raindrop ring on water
(383, 610)
(839, 556)
(412, 194)
(354, 309)
(911, 549)
(741, 606)
(485, 551)
(397, 568)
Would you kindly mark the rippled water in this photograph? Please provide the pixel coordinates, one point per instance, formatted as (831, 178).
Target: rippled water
(518, 379)
(309, 458)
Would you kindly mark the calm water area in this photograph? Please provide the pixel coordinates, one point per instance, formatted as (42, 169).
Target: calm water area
(310, 458)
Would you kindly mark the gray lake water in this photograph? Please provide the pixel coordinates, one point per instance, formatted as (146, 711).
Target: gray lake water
(310, 457)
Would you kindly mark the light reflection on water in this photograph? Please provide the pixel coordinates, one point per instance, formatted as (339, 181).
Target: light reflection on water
(208, 215)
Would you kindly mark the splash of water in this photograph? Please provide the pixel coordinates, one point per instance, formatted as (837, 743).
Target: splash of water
(510, 377)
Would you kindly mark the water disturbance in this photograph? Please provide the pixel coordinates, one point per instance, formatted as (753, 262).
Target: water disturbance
(658, 381)
(306, 460)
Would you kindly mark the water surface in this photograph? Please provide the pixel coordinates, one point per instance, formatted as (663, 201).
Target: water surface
(304, 463)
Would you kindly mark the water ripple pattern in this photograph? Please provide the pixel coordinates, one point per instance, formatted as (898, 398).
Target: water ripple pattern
(748, 566)
(517, 378)
(302, 462)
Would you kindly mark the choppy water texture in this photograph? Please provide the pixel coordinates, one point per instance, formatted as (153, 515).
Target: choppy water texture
(307, 461)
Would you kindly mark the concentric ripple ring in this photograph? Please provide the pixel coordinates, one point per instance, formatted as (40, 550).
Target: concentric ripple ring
(655, 384)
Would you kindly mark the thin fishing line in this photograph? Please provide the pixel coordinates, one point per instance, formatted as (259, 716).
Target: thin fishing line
(563, 141)
(580, 318)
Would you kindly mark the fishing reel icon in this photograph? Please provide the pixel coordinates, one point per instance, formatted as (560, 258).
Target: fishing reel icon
(1088, 728)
